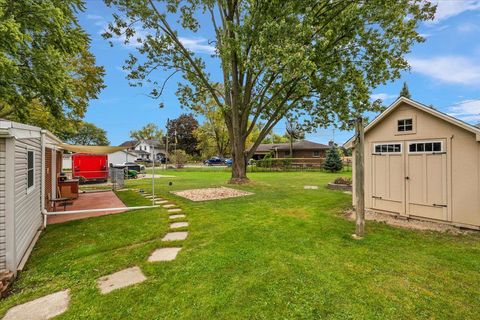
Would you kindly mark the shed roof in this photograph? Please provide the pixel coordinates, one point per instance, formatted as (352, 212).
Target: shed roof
(420, 106)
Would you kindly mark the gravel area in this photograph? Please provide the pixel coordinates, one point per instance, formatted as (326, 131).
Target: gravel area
(409, 224)
(211, 193)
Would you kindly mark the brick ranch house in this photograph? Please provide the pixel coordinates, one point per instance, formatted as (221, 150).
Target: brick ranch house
(301, 149)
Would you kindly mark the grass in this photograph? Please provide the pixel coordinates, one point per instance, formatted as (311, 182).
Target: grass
(283, 252)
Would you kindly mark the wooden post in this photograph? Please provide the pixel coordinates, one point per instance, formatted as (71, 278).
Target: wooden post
(359, 180)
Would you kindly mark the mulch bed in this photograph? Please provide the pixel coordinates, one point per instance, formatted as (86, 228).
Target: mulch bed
(211, 193)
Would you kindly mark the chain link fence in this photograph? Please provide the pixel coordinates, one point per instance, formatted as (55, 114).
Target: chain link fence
(117, 177)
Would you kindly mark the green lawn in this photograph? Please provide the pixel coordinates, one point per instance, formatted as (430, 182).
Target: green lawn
(283, 252)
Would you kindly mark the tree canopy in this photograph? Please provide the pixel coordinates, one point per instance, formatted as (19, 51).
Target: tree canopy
(149, 131)
(405, 92)
(89, 134)
(181, 135)
(45, 61)
(315, 60)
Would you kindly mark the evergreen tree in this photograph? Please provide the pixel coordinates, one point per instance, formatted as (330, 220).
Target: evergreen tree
(405, 92)
(333, 162)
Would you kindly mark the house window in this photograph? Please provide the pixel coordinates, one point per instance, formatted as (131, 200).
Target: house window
(316, 154)
(388, 148)
(431, 146)
(405, 125)
(30, 170)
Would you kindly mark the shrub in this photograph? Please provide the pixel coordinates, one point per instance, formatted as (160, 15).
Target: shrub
(343, 180)
(333, 162)
(178, 158)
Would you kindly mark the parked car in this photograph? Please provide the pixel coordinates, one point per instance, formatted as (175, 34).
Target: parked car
(214, 161)
(228, 162)
(134, 166)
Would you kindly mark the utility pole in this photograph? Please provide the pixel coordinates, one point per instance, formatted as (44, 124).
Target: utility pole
(359, 180)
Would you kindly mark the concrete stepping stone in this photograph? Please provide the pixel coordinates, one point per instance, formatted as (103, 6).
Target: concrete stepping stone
(120, 279)
(177, 216)
(164, 254)
(42, 308)
(171, 205)
(175, 236)
(161, 202)
(174, 210)
(310, 187)
(176, 225)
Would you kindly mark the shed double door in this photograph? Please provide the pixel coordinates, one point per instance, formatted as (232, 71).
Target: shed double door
(411, 181)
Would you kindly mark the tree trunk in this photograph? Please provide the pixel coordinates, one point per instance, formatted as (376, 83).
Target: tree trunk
(359, 180)
(239, 165)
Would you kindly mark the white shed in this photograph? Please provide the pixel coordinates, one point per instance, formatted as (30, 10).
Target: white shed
(23, 178)
(119, 157)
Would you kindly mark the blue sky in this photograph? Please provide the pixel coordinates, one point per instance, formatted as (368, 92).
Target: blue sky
(445, 72)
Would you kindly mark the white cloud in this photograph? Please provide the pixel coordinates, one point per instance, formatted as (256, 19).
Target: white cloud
(451, 8)
(96, 19)
(382, 96)
(466, 110)
(468, 27)
(449, 69)
(198, 45)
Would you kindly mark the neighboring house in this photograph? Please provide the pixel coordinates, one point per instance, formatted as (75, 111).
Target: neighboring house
(30, 161)
(422, 163)
(121, 156)
(145, 147)
(301, 149)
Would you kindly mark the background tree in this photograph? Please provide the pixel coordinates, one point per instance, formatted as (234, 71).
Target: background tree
(181, 135)
(90, 135)
(150, 131)
(45, 62)
(315, 58)
(213, 131)
(294, 132)
(405, 92)
(333, 162)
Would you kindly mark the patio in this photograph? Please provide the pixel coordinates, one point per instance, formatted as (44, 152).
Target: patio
(89, 201)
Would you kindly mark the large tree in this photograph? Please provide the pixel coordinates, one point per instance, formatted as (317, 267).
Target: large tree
(181, 135)
(315, 59)
(213, 132)
(148, 131)
(45, 61)
(89, 134)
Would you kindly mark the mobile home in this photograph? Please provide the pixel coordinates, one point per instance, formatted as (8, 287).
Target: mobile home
(30, 160)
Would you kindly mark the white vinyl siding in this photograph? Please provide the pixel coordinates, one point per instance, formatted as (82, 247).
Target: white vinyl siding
(28, 214)
(2, 206)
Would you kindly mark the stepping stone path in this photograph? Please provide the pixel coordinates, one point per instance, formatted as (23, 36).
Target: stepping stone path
(175, 236)
(42, 308)
(176, 225)
(57, 303)
(120, 279)
(164, 254)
